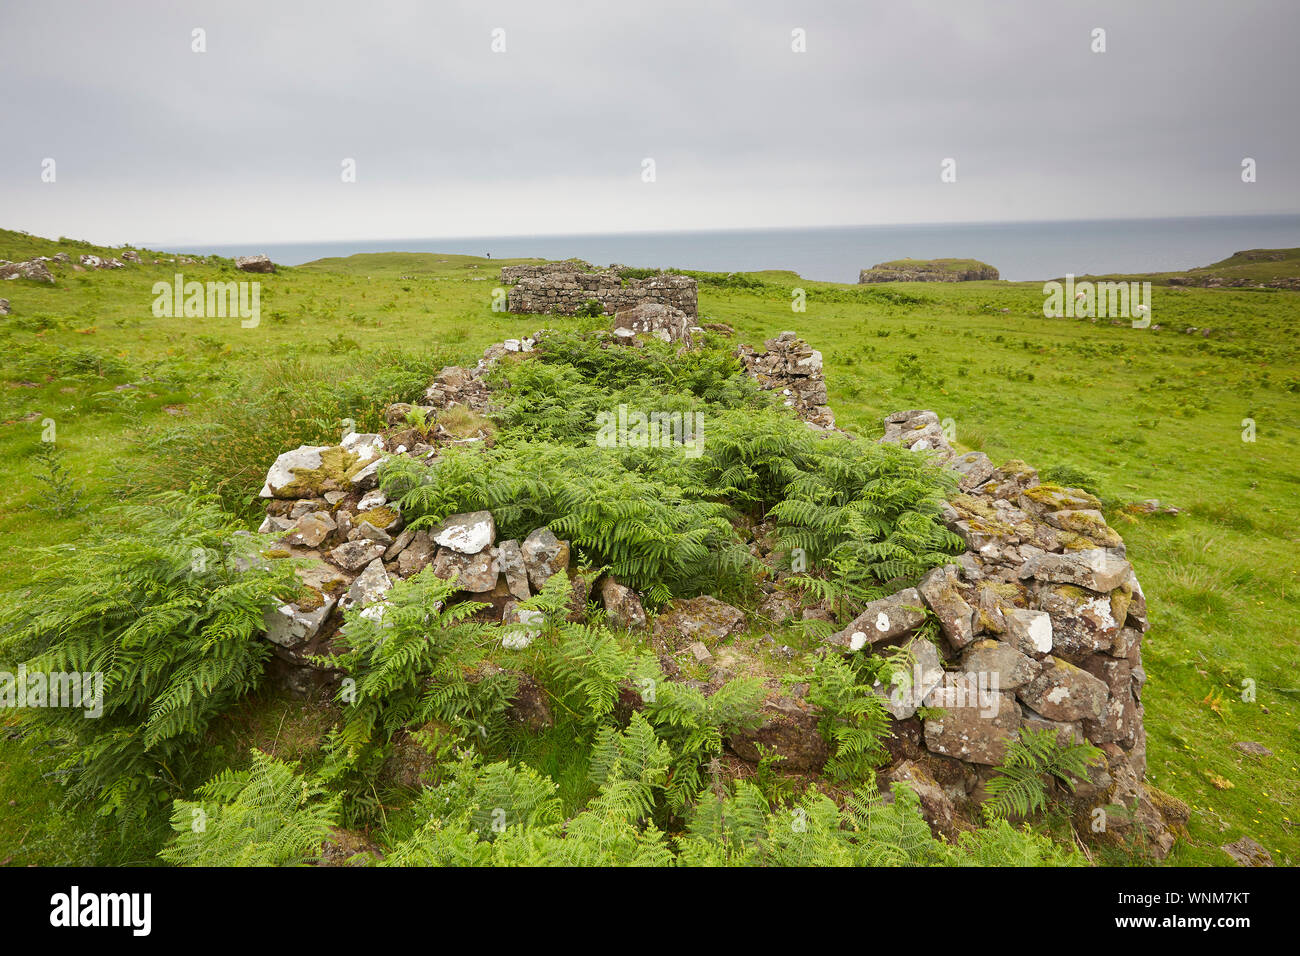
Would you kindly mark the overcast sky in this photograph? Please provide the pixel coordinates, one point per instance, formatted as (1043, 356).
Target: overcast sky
(153, 142)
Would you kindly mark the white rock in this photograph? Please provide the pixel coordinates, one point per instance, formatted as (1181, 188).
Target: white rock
(467, 533)
(281, 473)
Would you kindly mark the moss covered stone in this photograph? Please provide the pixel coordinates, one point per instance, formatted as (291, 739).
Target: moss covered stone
(381, 517)
(337, 466)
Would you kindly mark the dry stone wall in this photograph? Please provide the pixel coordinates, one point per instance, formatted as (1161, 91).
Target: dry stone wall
(793, 368)
(564, 287)
(1040, 620)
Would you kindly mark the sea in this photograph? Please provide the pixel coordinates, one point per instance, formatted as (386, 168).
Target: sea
(1021, 251)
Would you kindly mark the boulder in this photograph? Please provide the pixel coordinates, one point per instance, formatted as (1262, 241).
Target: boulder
(292, 626)
(1001, 662)
(974, 467)
(939, 590)
(258, 263)
(369, 587)
(511, 560)
(354, 555)
(882, 620)
(523, 626)
(544, 556)
(1095, 569)
(466, 533)
(475, 573)
(416, 555)
(1028, 630)
(622, 605)
(905, 694)
(1083, 622)
(284, 472)
(311, 529)
(977, 724)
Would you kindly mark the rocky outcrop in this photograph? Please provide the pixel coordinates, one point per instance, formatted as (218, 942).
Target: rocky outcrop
(34, 269)
(258, 263)
(928, 270)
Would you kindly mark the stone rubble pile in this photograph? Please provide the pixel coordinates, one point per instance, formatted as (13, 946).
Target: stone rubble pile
(37, 268)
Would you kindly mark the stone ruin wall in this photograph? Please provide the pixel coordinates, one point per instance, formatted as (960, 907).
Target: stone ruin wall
(565, 286)
(1043, 601)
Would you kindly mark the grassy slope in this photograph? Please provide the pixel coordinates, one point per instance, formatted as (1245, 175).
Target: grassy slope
(1149, 414)
(1256, 266)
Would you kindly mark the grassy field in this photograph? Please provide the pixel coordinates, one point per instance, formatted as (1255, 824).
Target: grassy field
(1129, 413)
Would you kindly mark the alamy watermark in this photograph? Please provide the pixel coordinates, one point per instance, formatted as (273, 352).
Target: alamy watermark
(53, 689)
(1100, 300)
(210, 300)
(630, 428)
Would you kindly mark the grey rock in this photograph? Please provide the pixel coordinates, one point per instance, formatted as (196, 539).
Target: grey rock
(1028, 630)
(544, 556)
(355, 555)
(939, 590)
(467, 533)
(622, 605)
(282, 473)
(290, 626)
(906, 692)
(257, 263)
(1096, 569)
(476, 573)
(882, 620)
(995, 658)
(311, 529)
(977, 723)
(369, 587)
(417, 554)
(511, 559)
(1064, 692)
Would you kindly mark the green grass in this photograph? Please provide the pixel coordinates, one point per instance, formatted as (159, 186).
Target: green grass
(934, 265)
(1251, 266)
(1144, 414)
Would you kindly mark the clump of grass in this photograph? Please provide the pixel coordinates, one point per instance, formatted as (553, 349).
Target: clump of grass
(228, 446)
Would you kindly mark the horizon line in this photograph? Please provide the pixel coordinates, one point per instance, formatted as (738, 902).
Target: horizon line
(710, 229)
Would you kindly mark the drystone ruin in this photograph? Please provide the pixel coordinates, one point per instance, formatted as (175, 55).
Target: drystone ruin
(564, 287)
(1041, 619)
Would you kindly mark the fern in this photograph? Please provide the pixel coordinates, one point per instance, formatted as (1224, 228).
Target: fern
(268, 815)
(168, 606)
(854, 720)
(1020, 785)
